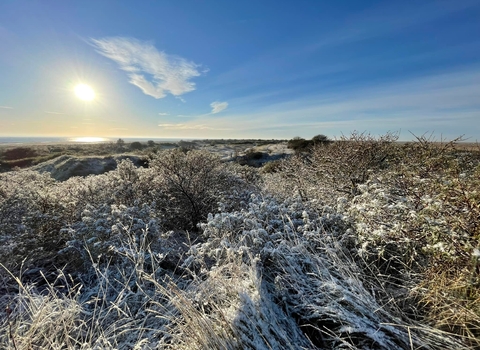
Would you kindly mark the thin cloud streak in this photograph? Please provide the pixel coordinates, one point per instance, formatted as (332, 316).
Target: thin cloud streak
(6, 107)
(57, 113)
(162, 113)
(453, 90)
(141, 60)
(456, 89)
(217, 107)
(189, 127)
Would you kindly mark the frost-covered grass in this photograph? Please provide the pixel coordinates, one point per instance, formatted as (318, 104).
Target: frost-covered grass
(292, 259)
(268, 276)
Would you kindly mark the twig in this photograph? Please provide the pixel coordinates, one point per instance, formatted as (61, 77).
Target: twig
(8, 310)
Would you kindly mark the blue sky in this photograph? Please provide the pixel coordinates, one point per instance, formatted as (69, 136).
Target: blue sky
(240, 69)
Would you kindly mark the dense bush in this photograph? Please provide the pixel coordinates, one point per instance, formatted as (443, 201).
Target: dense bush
(422, 215)
(192, 184)
(135, 146)
(320, 139)
(325, 173)
(252, 158)
(18, 153)
(299, 144)
(414, 211)
(38, 214)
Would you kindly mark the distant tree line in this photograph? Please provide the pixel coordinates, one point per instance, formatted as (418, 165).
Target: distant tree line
(134, 146)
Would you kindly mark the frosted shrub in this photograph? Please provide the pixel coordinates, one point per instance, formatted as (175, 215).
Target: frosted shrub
(122, 186)
(335, 168)
(103, 232)
(413, 211)
(39, 215)
(419, 221)
(193, 183)
(30, 216)
(295, 266)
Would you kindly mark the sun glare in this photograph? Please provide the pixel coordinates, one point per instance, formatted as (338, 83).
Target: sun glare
(84, 92)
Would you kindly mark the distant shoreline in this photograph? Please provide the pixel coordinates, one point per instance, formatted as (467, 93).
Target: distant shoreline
(16, 141)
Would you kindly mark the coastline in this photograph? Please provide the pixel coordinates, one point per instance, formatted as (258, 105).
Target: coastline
(17, 141)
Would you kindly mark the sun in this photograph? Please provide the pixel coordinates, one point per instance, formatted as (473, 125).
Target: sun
(84, 92)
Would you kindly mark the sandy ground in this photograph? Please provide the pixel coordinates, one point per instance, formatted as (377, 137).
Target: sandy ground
(66, 166)
(229, 151)
(86, 162)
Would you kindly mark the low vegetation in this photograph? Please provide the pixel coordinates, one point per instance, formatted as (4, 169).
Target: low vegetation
(358, 243)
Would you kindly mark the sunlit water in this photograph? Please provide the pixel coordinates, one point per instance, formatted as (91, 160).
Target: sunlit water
(65, 140)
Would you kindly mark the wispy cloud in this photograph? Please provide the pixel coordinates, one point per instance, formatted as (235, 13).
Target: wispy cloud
(154, 72)
(162, 113)
(50, 112)
(217, 107)
(189, 127)
(6, 107)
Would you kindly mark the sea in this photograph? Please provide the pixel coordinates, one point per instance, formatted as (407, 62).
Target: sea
(66, 140)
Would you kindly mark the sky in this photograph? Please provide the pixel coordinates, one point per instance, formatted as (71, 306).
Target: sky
(240, 69)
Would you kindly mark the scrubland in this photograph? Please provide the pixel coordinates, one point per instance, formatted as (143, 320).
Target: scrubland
(360, 243)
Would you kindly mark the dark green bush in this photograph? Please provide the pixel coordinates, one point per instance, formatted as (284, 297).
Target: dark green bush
(320, 139)
(135, 146)
(19, 153)
(299, 144)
